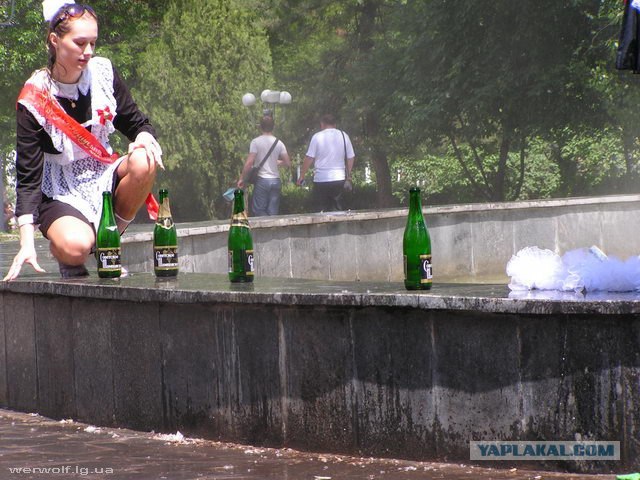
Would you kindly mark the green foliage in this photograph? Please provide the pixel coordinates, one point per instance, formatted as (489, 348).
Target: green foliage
(306, 39)
(295, 199)
(476, 82)
(599, 162)
(364, 197)
(596, 156)
(330, 55)
(192, 78)
(487, 98)
(491, 99)
(542, 175)
(298, 199)
(21, 52)
(437, 174)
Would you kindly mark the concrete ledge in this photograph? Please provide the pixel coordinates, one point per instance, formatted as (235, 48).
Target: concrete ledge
(471, 243)
(194, 288)
(358, 368)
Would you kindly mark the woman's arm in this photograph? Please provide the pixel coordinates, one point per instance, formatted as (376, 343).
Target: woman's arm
(26, 254)
(134, 124)
(30, 144)
(129, 119)
(31, 139)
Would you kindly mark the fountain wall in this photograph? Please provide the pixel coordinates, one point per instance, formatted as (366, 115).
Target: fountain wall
(471, 243)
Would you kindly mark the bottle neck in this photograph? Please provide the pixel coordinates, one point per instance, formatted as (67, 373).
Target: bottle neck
(107, 207)
(165, 208)
(238, 203)
(415, 205)
(239, 216)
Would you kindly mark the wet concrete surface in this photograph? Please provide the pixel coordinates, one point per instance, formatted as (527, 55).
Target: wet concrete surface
(8, 250)
(48, 449)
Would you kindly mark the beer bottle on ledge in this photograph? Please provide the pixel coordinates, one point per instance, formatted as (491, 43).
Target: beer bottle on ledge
(108, 241)
(416, 247)
(165, 240)
(240, 243)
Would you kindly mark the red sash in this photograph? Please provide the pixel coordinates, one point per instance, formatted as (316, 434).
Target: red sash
(55, 114)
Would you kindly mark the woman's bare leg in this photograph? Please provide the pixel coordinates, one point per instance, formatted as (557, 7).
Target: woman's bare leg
(137, 174)
(71, 240)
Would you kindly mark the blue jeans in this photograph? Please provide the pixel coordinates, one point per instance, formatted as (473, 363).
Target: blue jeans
(266, 197)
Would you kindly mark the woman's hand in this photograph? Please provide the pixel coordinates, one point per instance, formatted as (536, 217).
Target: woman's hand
(26, 254)
(152, 147)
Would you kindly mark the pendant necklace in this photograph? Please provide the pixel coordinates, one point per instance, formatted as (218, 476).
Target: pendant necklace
(68, 91)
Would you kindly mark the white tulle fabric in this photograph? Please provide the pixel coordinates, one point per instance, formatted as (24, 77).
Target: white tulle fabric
(577, 270)
(51, 7)
(73, 177)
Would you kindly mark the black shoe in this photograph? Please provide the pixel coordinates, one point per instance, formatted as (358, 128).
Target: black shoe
(73, 271)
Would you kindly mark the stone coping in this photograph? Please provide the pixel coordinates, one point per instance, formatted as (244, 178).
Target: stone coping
(204, 288)
(145, 232)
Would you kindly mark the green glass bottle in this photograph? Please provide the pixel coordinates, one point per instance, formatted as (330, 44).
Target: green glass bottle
(416, 247)
(240, 244)
(165, 240)
(108, 241)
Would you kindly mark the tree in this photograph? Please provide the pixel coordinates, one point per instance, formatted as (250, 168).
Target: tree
(620, 90)
(193, 77)
(479, 79)
(329, 54)
(489, 76)
(486, 100)
(21, 52)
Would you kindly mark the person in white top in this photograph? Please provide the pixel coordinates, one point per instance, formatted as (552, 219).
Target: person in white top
(267, 190)
(331, 153)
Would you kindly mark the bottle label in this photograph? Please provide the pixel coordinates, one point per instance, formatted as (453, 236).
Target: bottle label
(240, 220)
(165, 258)
(108, 259)
(165, 211)
(426, 272)
(240, 223)
(247, 261)
(165, 222)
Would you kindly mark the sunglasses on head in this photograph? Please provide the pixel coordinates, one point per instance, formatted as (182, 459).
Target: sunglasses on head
(72, 10)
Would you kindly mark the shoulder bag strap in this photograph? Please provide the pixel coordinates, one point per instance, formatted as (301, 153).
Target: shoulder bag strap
(267, 155)
(344, 141)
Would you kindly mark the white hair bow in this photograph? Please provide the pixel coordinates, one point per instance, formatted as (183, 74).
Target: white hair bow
(51, 7)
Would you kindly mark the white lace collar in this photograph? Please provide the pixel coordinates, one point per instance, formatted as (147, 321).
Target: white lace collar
(70, 90)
